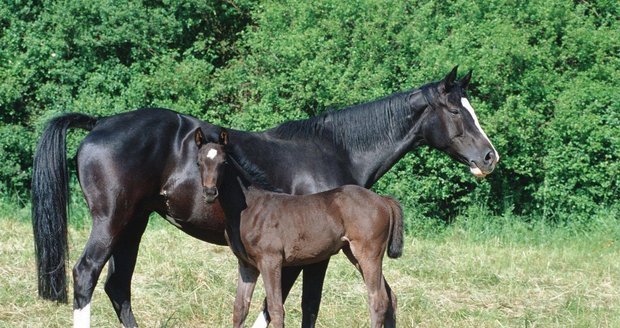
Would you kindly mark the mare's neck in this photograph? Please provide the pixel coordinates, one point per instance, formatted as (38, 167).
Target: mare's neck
(235, 195)
(398, 132)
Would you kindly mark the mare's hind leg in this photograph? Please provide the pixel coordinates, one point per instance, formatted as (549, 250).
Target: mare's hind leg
(120, 269)
(369, 265)
(88, 268)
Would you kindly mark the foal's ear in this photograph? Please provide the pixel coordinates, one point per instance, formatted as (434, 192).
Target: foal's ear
(199, 138)
(464, 82)
(224, 137)
(448, 82)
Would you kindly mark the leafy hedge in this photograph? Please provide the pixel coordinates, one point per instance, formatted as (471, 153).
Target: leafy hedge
(104, 57)
(546, 75)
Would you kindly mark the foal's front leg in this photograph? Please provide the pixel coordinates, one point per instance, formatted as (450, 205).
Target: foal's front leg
(245, 287)
(271, 269)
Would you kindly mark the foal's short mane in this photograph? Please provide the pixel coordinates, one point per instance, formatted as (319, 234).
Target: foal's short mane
(356, 127)
(250, 171)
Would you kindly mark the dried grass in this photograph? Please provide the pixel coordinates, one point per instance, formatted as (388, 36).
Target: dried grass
(444, 282)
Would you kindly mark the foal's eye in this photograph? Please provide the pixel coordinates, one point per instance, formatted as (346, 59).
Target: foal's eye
(454, 111)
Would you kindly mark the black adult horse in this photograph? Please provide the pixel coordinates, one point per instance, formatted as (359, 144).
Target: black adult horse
(139, 162)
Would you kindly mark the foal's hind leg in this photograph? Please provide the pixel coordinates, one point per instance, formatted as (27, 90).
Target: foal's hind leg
(369, 265)
(390, 314)
(120, 270)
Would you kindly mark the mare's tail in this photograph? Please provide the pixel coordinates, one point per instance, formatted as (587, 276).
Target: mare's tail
(50, 197)
(395, 243)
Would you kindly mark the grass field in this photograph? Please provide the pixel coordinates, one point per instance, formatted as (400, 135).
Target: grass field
(461, 277)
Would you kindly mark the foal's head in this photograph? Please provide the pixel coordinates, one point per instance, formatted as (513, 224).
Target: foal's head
(211, 162)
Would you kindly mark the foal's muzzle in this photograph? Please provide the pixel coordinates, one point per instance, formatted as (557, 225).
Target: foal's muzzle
(210, 194)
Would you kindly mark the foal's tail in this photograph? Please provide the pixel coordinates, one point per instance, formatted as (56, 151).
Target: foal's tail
(50, 197)
(395, 243)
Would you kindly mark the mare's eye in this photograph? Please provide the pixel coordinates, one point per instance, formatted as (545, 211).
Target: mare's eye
(454, 111)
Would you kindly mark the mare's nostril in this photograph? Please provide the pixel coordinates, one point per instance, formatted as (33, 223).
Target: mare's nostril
(490, 157)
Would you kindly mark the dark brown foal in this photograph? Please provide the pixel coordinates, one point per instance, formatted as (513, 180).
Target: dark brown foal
(268, 230)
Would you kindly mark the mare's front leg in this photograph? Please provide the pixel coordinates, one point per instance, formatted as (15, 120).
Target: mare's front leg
(245, 287)
(314, 276)
(271, 269)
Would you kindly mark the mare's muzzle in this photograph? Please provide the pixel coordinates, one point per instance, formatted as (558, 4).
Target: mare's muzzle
(210, 194)
(485, 166)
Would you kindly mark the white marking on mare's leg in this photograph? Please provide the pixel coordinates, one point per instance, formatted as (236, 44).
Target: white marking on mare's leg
(212, 153)
(470, 109)
(261, 321)
(81, 317)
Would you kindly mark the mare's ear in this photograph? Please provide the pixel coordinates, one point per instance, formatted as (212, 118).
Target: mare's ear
(464, 82)
(224, 137)
(416, 100)
(199, 138)
(448, 82)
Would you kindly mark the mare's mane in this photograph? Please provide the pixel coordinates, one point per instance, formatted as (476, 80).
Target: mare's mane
(378, 122)
(249, 170)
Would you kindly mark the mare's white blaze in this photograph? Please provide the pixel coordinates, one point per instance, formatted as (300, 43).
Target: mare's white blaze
(81, 317)
(261, 321)
(470, 109)
(212, 153)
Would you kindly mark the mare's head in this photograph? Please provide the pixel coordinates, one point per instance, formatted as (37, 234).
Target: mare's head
(211, 162)
(452, 126)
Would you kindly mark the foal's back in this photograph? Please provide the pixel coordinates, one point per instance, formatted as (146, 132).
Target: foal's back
(310, 228)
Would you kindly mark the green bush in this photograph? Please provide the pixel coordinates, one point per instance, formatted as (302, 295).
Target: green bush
(102, 58)
(543, 79)
(545, 83)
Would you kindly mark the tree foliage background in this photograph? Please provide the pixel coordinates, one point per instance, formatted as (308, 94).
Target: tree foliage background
(545, 86)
